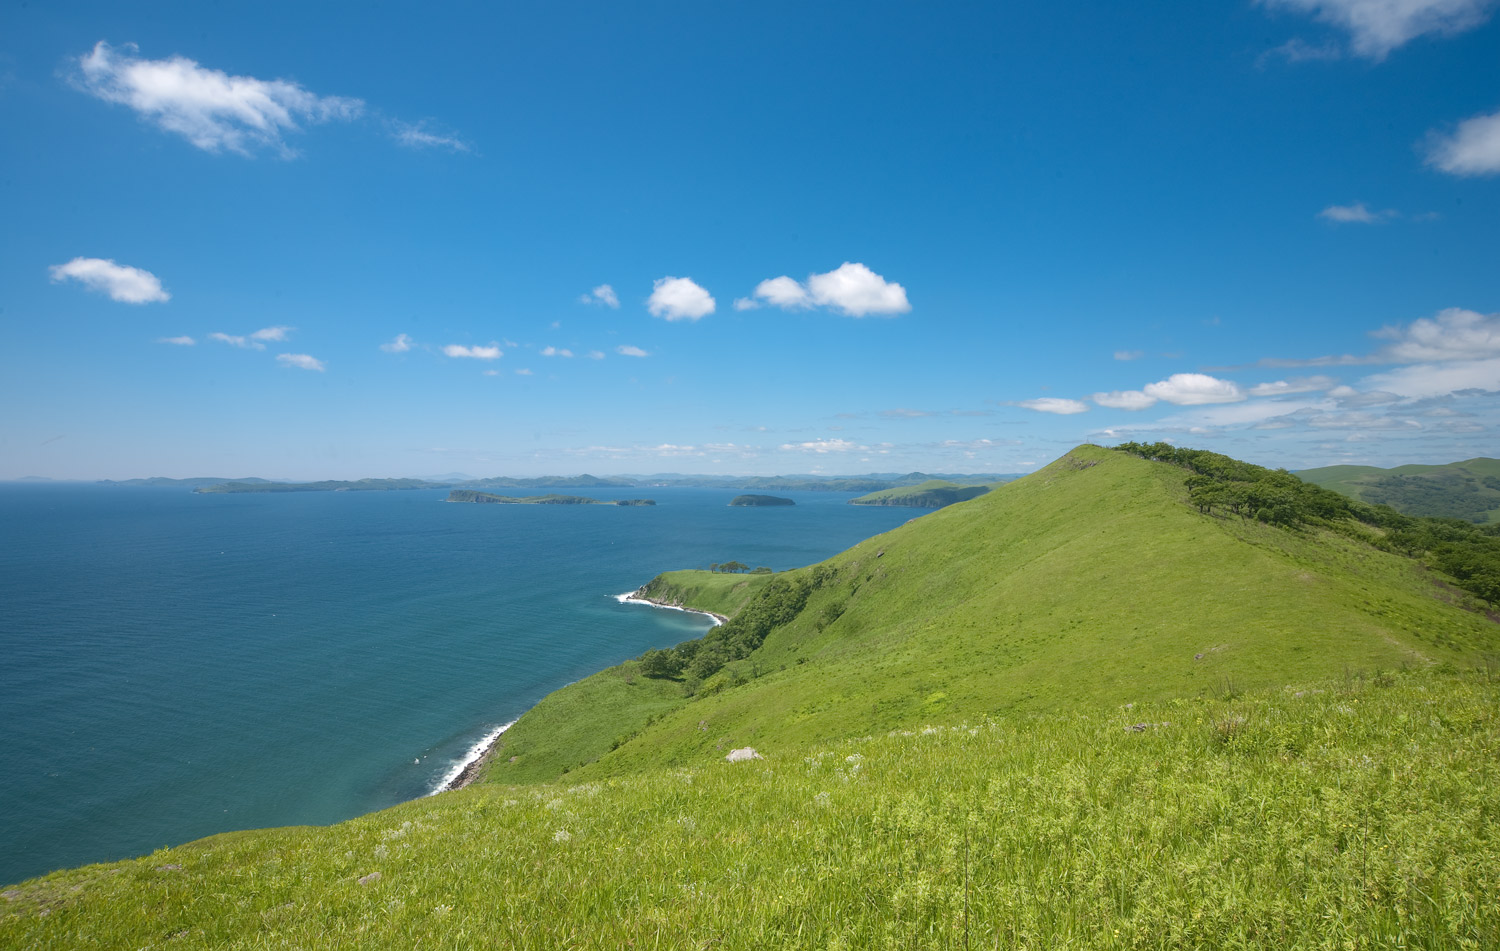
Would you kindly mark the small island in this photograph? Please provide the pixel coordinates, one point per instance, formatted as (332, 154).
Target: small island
(754, 500)
(469, 495)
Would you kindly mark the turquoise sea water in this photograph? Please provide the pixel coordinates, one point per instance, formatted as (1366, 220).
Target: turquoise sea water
(174, 665)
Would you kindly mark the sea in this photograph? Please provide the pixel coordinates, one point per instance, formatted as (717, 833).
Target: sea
(174, 664)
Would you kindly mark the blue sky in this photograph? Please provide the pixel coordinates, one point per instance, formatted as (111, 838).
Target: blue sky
(319, 241)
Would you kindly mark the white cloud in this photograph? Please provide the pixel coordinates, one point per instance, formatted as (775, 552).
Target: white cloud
(1124, 399)
(128, 285)
(857, 291)
(1428, 379)
(679, 298)
(556, 352)
(419, 135)
(595, 354)
(300, 360)
(255, 341)
(458, 351)
(1311, 384)
(823, 446)
(1194, 389)
(183, 341)
(906, 413)
(211, 109)
(1356, 213)
(626, 350)
(1376, 27)
(603, 294)
(400, 344)
(491, 372)
(1452, 334)
(1128, 354)
(1052, 404)
(1472, 149)
(851, 289)
(523, 372)
(780, 292)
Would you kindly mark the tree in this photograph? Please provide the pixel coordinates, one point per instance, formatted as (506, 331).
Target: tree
(664, 664)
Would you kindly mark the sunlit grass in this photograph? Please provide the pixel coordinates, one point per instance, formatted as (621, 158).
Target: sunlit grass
(1357, 813)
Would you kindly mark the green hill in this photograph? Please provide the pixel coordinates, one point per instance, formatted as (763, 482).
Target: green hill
(1469, 490)
(932, 494)
(1077, 711)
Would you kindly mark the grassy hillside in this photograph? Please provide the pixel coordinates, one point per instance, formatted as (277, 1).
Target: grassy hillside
(1469, 490)
(932, 494)
(1073, 712)
(1357, 813)
(1091, 581)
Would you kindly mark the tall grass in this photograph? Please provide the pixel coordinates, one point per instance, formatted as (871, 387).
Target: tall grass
(1356, 813)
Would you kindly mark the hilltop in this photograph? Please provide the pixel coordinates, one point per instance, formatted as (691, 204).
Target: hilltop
(1469, 490)
(1105, 705)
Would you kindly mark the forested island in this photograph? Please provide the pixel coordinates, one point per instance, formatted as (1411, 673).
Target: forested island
(469, 495)
(759, 500)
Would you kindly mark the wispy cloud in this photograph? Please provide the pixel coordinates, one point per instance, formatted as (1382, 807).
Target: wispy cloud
(1356, 213)
(824, 446)
(1376, 27)
(626, 350)
(1311, 384)
(461, 352)
(400, 344)
(679, 298)
(1124, 399)
(421, 135)
(183, 341)
(603, 294)
(906, 413)
(1129, 354)
(850, 289)
(1471, 149)
(210, 108)
(254, 341)
(556, 352)
(128, 285)
(1053, 404)
(301, 361)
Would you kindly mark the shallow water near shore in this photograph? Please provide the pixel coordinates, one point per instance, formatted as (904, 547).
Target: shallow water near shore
(174, 665)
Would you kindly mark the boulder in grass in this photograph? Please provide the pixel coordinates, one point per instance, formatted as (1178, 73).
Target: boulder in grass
(742, 755)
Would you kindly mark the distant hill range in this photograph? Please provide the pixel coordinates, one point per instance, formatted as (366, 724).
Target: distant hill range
(793, 483)
(932, 494)
(1469, 490)
(469, 495)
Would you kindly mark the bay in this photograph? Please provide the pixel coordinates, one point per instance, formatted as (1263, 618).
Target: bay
(174, 665)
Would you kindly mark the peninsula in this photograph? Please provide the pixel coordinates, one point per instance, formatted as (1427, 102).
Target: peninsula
(932, 494)
(469, 495)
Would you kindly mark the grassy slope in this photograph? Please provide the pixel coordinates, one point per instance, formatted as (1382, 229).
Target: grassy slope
(1088, 582)
(585, 720)
(1353, 814)
(1050, 616)
(1357, 482)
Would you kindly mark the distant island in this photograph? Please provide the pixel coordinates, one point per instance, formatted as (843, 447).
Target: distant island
(933, 494)
(804, 483)
(759, 500)
(469, 495)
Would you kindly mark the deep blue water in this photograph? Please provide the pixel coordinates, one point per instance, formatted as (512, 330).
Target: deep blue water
(174, 665)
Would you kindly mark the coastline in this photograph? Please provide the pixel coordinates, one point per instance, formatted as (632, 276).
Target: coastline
(634, 597)
(466, 770)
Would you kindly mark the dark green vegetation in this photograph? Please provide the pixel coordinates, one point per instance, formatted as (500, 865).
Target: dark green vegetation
(1468, 490)
(756, 500)
(330, 485)
(469, 495)
(932, 494)
(1081, 710)
(1469, 555)
(737, 567)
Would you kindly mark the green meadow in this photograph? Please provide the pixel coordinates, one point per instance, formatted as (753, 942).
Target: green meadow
(1075, 712)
